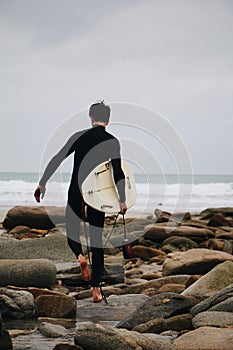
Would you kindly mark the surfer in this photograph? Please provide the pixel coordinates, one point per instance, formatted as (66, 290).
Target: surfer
(91, 147)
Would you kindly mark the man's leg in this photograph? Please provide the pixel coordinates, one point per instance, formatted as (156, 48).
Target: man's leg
(96, 224)
(73, 220)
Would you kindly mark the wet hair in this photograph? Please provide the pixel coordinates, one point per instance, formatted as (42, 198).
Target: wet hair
(100, 112)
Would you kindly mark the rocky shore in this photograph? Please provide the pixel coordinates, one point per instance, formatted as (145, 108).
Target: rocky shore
(176, 293)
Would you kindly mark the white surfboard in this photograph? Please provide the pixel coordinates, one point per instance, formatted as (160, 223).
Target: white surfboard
(100, 192)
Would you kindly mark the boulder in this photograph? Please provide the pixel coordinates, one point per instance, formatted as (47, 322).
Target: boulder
(52, 330)
(213, 318)
(160, 233)
(206, 338)
(16, 304)
(5, 339)
(56, 306)
(146, 253)
(213, 301)
(216, 279)
(25, 273)
(52, 247)
(34, 217)
(162, 305)
(95, 336)
(159, 325)
(194, 261)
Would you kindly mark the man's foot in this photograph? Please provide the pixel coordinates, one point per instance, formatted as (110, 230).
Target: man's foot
(86, 273)
(97, 297)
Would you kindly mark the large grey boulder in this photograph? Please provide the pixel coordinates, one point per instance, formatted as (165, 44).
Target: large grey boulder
(162, 305)
(95, 336)
(216, 279)
(27, 273)
(16, 304)
(194, 261)
(213, 318)
(212, 302)
(53, 247)
(206, 338)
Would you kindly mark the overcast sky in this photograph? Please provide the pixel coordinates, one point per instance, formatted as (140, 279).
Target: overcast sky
(174, 57)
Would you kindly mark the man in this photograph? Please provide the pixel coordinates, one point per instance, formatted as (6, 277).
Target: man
(91, 147)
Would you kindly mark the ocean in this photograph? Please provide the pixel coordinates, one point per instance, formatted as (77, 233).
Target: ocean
(167, 192)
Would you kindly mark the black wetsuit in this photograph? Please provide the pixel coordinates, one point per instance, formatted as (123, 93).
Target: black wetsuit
(91, 147)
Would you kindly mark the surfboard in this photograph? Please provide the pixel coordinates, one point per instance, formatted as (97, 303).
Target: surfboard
(100, 192)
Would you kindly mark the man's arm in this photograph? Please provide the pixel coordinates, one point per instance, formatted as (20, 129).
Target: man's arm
(52, 166)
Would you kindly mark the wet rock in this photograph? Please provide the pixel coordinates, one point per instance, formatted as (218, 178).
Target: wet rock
(34, 217)
(5, 339)
(118, 307)
(159, 325)
(52, 247)
(56, 306)
(24, 273)
(51, 330)
(206, 338)
(194, 261)
(16, 304)
(146, 253)
(66, 346)
(213, 301)
(163, 305)
(216, 279)
(213, 318)
(94, 337)
(160, 233)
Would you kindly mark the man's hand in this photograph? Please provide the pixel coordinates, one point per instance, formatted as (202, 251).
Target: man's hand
(39, 193)
(123, 208)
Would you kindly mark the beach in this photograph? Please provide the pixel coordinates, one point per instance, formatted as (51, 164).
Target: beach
(180, 280)
(179, 247)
